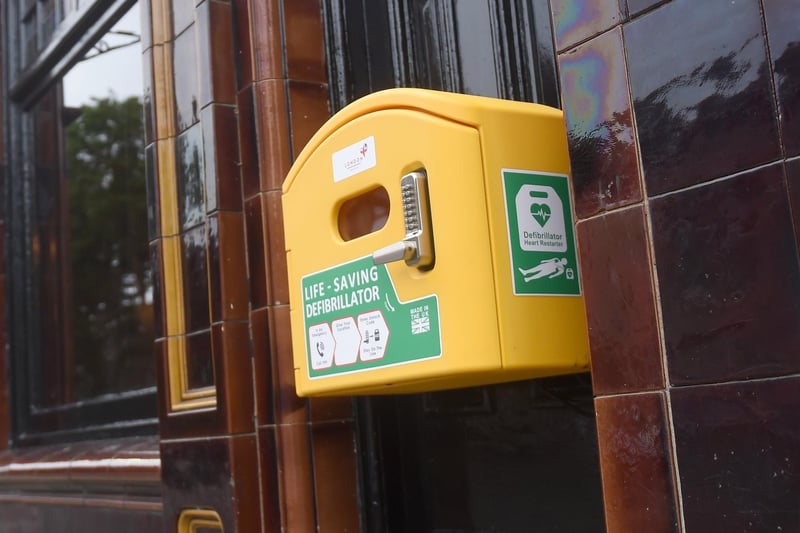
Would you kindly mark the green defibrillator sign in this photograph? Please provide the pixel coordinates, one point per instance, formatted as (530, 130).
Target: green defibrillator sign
(540, 234)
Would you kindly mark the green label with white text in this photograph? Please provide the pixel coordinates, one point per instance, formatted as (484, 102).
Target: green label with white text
(354, 321)
(540, 234)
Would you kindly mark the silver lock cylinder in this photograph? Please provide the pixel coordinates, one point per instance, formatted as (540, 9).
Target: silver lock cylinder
(416, 248)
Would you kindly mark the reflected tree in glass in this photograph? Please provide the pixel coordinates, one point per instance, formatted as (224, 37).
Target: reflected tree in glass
(112, 311)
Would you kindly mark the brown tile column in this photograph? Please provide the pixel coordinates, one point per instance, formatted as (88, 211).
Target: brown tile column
(307, 462)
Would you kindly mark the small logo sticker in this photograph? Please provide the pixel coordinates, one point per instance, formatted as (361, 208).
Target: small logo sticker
(357, 157)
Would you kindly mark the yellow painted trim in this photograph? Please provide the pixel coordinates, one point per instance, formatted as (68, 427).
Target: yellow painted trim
(173, 285)
(163, 91)
(181, 397)
(191, 520)
(161, 21)
(167, 187)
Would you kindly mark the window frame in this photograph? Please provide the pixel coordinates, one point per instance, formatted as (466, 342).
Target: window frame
(127, 413)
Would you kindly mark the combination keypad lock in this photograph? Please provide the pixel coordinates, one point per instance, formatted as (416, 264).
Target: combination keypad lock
(416, 248)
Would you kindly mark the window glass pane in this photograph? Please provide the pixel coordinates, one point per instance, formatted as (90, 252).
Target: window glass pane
(90, 242)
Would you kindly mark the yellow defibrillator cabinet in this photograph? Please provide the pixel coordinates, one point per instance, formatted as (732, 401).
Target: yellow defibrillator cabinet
(430, 245)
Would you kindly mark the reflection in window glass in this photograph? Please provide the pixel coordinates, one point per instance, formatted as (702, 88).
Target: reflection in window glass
(94, 269)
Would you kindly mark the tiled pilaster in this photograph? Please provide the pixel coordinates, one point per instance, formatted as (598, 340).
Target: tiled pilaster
(282, 99)
(206, 404)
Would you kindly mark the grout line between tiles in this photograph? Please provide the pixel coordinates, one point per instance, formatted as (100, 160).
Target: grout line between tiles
(611, 211)
(572, 47)
(733, 382)
(204, 438)
(669, 420)
(756, 168)
(771, 78)
(259, 465)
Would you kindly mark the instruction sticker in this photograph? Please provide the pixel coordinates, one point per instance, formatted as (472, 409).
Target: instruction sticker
(354, 321)
(540, 234)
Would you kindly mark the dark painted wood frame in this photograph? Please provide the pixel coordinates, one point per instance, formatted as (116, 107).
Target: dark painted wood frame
(127, 413)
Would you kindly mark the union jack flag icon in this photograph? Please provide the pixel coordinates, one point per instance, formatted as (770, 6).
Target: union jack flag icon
(420, 325)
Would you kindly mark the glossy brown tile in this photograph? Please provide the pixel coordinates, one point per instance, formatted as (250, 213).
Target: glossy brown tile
(728, 277)
(199, 362)
(160, 354)
(243, 44)
(233, 266)
(214, 267)
(267, 42)
(277, 273)
(5, 411)
(689, 87)
(272, 133)
(151, 183)
(235, 376)
(148, 109)
(635, 7)
(783, 19)
(21, 517)
(182, 15)
(295, 483)
(620, 303)
(159, 324)
(793, 180)
(189, 170)
(289, 408)
(738, 455)
(330, 409)
(335, 476)
(577, 20)
(262, 365)
(217, 474)
(195, 280)
(227, 268)
(268, 472)
(146, 25)
(248, 146)
(215, 53)
(221, 171)
(635, 462)
(256, 256)
(597, 108)
(305, 58)
(186, 80)
(246, 483)
(308, 106)
(88, 516)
